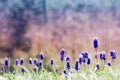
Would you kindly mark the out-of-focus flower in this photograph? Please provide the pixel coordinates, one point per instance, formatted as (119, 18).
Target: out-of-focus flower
(97, 65)
(17, 62)
(76, 65)
(51, 61)
(6, 62)
(68, 65)
(109, 63)
(113, 54)
(35, 69)
(30, 61)
(42, 55)
(21, 61)
(35, 61)
(62, 54)
(68, 58)
(95, 42)
(88, 61)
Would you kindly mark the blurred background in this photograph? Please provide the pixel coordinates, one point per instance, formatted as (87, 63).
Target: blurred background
(28, 27)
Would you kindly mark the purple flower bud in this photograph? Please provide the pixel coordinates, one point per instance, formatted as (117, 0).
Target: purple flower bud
(68, 58)
(30, 61)
(68, 65)
(101, 55)
(16, 62)
(23, 70)
(21, 61)
(35, 61)
(76, 65)
(97, 65)
(113, 54)
(95, 42)
(88, 61)
(62, 54)
(42, 55)
(64, 71)
(40, 63)
(51, 62)
(104, 56)
(86, 54)
(35, 69)
(109, 63)
(80, 59)
(6, 62)
(3, 68)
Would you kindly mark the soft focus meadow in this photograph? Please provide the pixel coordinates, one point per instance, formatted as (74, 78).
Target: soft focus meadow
(59, 39)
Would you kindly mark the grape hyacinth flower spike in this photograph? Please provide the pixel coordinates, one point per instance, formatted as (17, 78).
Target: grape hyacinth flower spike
(17, 62)
(6, 62)
(30, 61)
(88, 61)
(35, 60)
(41, 55)
(68, 65)
(76, 65)
(51, 63)
(95, 44)
(68, 58)
(62, 54)
(21, 61)
(109, 63)
(113, 54)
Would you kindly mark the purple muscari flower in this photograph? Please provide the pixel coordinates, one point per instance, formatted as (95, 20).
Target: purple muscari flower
(51, 62)
(68, 65)
(16, 62)
(40, 63)
(83, 54)
(64, 71)
(68, 58)
(23, 70)
(101, 55)
(113, 54)
(86, 54)
(21, 61)
(97, 66)
(76, 65)
(95, 42)
(42, 55)
(6, 62)
(104, 56)
(88, 61)
(80, 59)
(35, 61)
(109, 63)
(35, 69)
(3, 68)
(30, 61)
(83, 60)
(62, 54)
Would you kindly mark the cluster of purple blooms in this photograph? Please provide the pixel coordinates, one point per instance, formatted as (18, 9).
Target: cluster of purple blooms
(83, 58)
